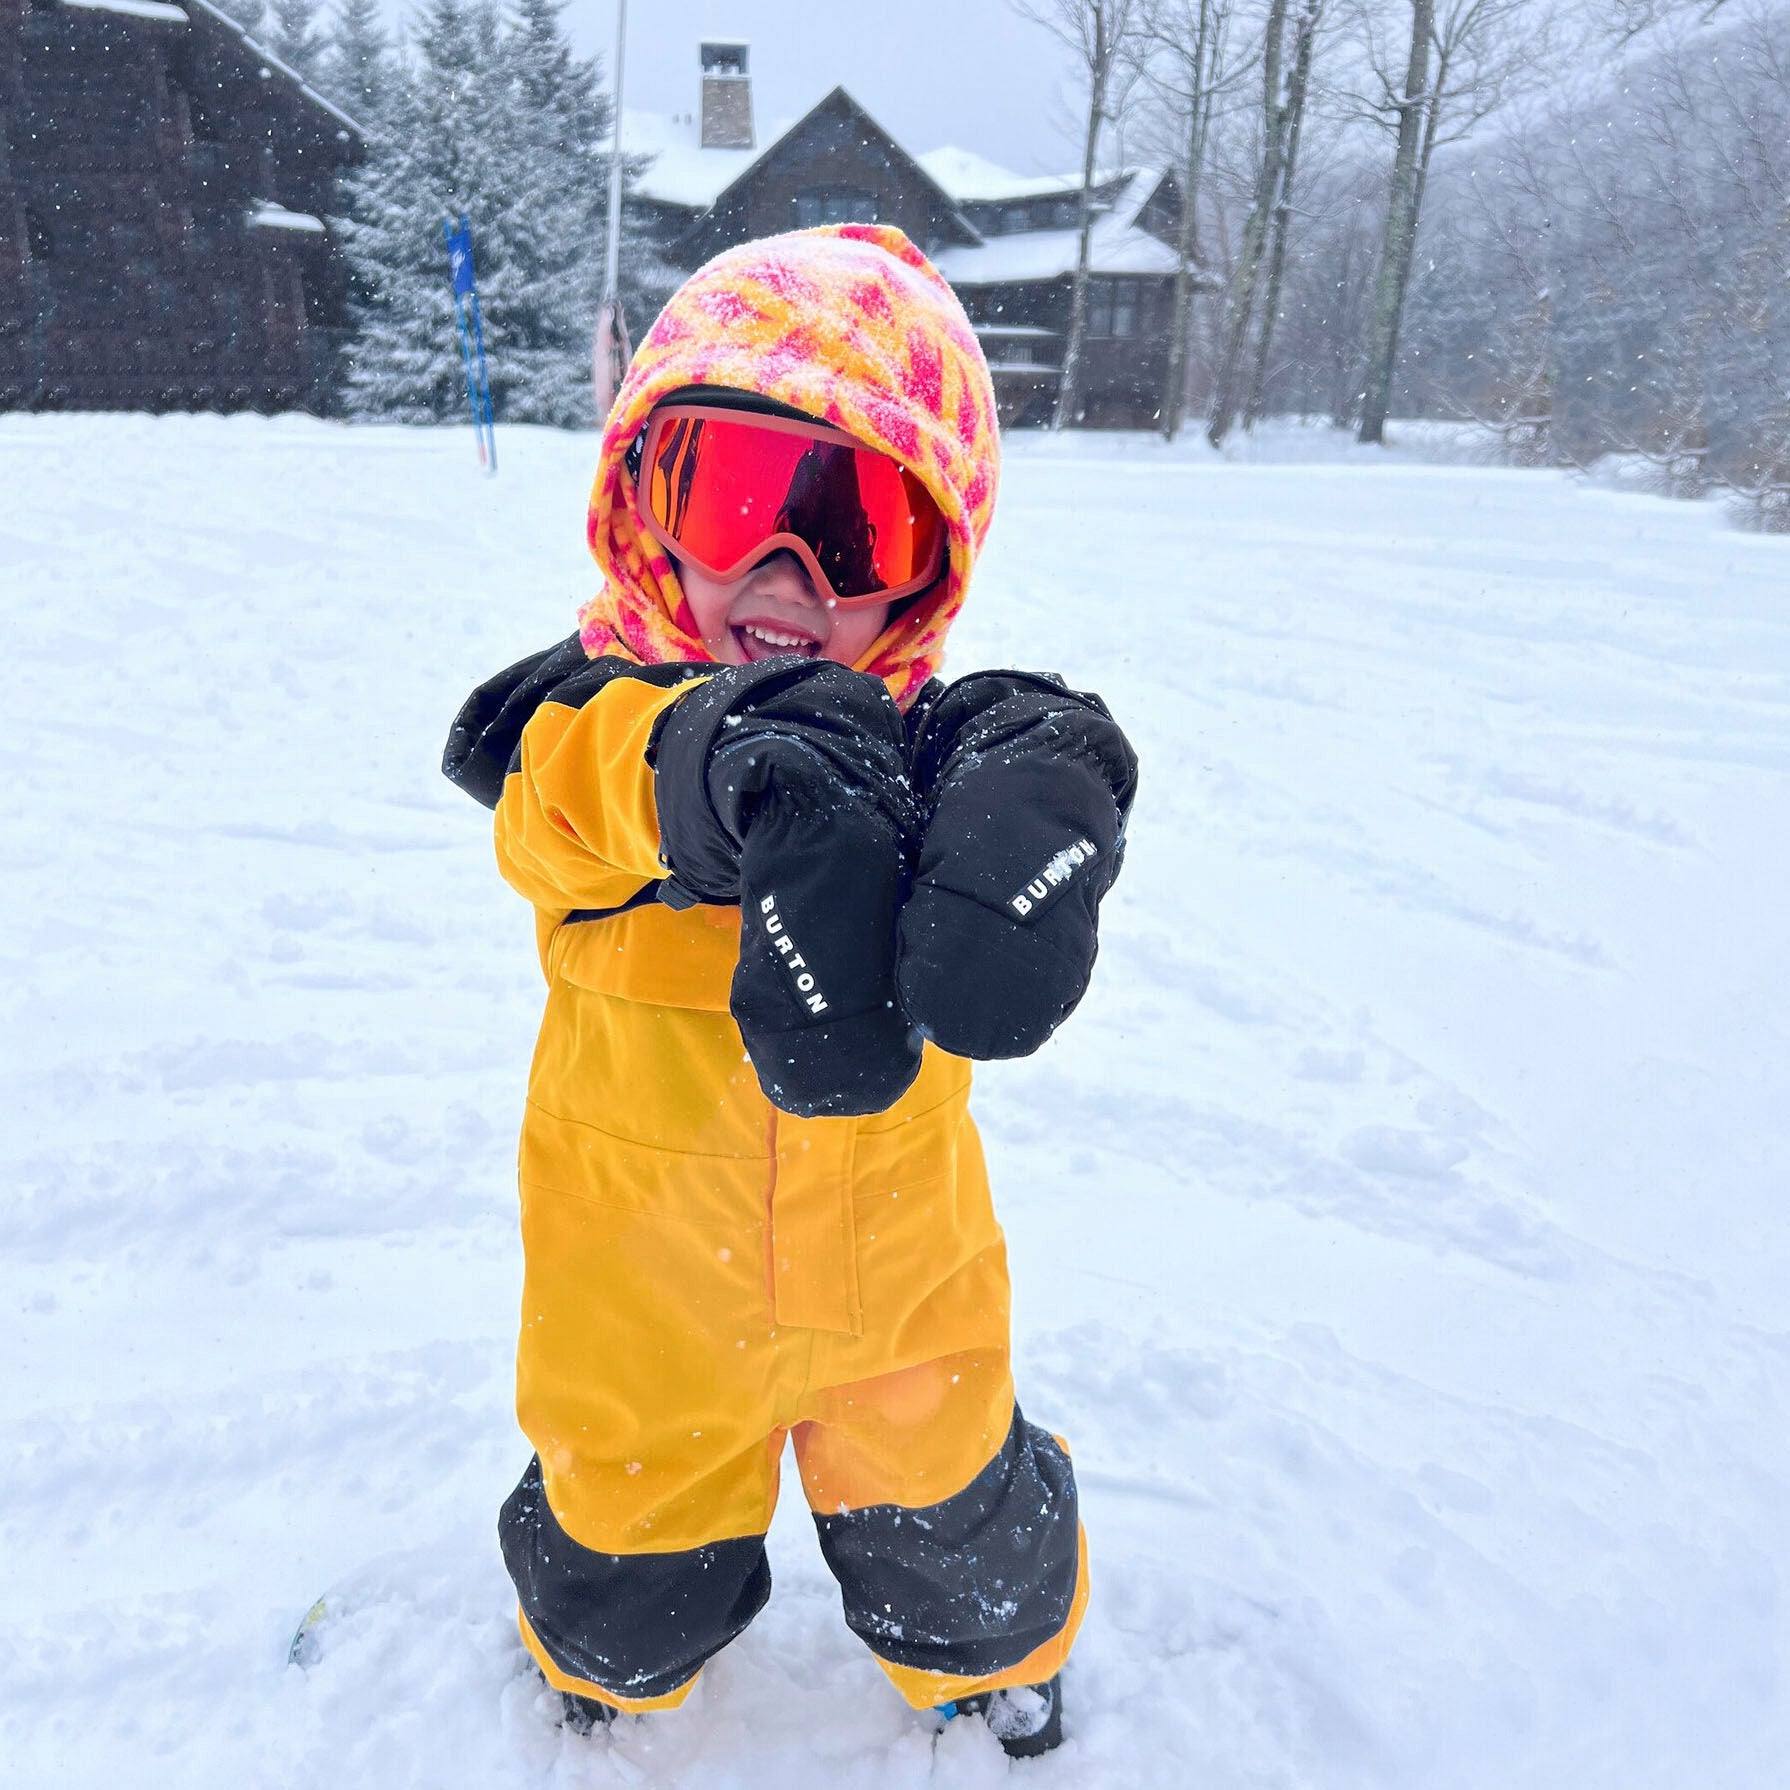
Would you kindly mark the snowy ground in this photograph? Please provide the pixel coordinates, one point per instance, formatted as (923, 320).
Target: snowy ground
(1399, 1230)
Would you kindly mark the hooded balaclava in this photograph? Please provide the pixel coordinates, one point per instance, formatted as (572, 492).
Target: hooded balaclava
(849, 324)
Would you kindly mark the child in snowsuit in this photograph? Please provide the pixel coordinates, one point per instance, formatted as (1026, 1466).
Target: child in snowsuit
(785, 883)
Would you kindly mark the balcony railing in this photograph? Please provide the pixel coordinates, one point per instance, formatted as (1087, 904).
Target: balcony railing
(1019, 348)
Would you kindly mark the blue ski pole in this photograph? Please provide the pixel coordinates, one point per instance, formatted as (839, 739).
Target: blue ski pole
(466, 297)
(472, 390)
(478, 336)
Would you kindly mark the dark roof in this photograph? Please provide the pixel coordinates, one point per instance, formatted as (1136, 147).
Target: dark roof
(839, 97)
(272, 62)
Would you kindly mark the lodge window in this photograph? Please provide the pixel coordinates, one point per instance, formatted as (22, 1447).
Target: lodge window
(1039, 214)
(1112, 307)
(834, 205)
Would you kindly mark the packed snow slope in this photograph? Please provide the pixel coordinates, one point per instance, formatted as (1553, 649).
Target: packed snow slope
(1399, 1228)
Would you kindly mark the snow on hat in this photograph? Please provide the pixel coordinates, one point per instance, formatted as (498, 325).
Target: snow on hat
(850, 324)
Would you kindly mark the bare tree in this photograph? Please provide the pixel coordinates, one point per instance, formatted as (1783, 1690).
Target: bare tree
(1465, 59)
(1183, 45)
(1412, 107)
(1673, 437)
(1517, 402)
(1240, 302)
(1761, 487)
(1099, 33)
(1298, 89)
(1647, 202)
(1631, 17)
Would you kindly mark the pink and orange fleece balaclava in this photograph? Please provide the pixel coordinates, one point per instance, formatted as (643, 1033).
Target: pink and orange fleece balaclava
(853, 325)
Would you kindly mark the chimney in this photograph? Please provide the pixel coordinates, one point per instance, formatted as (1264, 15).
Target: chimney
(726, 95)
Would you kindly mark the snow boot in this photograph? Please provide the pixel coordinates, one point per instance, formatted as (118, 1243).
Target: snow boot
(584, 1714)
(1027, 1719)
(581, 1714)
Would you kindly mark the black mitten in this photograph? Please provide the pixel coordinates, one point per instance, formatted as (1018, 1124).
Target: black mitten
(1025, 786)
(783, 786)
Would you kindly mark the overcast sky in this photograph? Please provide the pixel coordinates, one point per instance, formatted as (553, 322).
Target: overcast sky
(969, 72)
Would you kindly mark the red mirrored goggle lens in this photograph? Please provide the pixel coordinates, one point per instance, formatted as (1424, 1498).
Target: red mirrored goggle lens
(719, 486)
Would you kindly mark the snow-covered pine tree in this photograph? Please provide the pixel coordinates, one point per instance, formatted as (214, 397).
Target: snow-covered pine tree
(357, 69)
(501, 121)
(423, 167)
(545, 286)
(295, 36)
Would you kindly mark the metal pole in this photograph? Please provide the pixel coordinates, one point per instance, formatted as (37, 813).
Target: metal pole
(613, 261)
(610, 350)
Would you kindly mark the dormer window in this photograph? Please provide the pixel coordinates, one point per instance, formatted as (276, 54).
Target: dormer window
(834, 205)
(1038, 214)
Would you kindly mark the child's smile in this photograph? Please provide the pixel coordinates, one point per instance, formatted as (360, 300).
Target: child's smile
(775, 611)
(765, 639)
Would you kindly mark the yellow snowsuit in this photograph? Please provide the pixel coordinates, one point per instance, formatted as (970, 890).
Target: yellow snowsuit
(707, 1275)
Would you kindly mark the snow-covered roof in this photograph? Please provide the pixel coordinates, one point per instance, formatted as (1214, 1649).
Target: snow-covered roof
(264, 214)
(682, 171)
(133, 9)
(1117, 245)
(267, 57)
(162, 13)
(969, 177)
(1048, 254)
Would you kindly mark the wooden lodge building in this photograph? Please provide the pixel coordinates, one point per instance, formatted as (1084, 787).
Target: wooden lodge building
(164, 182)
(1005, 242)
(163, 185)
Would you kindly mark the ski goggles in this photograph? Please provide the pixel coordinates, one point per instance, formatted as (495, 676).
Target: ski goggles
(724, 489)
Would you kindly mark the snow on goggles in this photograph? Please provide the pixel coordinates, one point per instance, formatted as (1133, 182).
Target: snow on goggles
(725, 489)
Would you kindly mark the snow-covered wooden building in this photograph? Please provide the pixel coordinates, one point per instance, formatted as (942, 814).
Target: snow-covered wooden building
(1006, 242)
(163, 185)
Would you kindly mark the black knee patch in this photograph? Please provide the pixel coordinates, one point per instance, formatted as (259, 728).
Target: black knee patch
(638, 1625)
(974, 1584)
